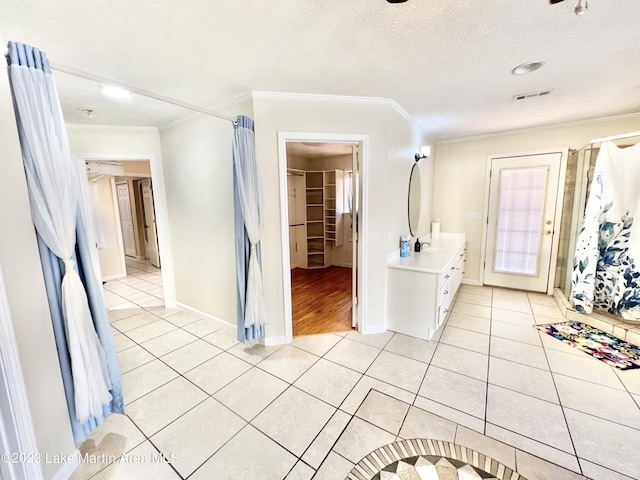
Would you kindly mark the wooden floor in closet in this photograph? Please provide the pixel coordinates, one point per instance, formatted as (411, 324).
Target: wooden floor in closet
(321, 300)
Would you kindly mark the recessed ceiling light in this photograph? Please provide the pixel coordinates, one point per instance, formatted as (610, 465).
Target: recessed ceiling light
(114, 91)
(527, 68)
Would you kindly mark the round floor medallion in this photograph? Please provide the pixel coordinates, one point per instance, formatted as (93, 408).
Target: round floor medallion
(425, 459)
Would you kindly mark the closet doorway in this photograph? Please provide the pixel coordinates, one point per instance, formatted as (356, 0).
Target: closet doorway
(322, 212)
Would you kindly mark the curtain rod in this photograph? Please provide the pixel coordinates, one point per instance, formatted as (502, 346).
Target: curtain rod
(145, 93)
(615, 137)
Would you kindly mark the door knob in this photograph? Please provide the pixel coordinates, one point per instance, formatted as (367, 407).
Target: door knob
(547, 232)
(548, 222)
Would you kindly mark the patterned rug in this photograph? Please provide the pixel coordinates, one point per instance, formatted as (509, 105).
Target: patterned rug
(595, 342)
(426, 459)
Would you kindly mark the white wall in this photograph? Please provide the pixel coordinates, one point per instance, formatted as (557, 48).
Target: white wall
(392, 141)
(198, 168)
(460, 169)
(299, 163)
(27, 298)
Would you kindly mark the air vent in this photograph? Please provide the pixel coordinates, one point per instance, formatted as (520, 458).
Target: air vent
(525, 96)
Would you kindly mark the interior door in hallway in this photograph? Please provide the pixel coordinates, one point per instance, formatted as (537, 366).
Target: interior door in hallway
(126, 219)
(521, 220)
(150, 232)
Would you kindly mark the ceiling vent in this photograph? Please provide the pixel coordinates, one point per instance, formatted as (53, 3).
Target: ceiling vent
(525, 96)
(98, 169)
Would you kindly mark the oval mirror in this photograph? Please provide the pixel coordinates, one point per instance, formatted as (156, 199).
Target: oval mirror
(414, 199)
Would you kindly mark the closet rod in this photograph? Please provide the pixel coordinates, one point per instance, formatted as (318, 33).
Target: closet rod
(145, 93)
(616, 137)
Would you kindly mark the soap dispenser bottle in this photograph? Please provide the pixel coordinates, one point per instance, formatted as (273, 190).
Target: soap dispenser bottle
(418, 245)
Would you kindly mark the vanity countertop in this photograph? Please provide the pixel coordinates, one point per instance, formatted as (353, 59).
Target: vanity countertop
(432, 259)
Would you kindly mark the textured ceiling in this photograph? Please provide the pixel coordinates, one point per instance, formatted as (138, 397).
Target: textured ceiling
(446, 62)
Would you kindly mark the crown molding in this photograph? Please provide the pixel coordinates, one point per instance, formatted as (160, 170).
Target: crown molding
(243, 97)
(82, 126)
(317, 97)
(540, 128)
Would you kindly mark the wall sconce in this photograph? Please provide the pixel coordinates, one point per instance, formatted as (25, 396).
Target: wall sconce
(424, 153)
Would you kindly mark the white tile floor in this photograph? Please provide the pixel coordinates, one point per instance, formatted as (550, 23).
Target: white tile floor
(219, 409)
(142, 287)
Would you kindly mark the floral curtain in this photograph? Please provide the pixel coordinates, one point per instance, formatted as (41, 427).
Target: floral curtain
(606, 273)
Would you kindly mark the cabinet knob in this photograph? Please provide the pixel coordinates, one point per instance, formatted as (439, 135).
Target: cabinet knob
(446, 310)
(446, 276)
(446, 292)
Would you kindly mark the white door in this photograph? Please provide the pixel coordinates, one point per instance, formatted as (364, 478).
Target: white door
(150, 232)
(521, 220)
(126, 219)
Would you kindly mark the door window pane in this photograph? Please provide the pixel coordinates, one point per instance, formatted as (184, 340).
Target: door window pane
(520, 211)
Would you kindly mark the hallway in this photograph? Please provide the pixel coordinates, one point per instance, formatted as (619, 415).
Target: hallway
(142, 287)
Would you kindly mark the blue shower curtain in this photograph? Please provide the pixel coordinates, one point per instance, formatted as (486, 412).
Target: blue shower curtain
(244, 140)
(86, 351)
(53, 269)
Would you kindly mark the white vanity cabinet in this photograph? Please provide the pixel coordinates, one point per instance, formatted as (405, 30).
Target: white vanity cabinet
(421, 287)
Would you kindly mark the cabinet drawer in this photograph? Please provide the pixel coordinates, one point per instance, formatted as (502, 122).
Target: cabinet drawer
(443, 311)
(446, 292)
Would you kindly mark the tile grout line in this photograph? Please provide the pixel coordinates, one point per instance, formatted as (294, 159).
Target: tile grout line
(566, 422)
(486, 398)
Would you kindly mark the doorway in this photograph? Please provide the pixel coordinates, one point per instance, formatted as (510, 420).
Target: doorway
(322, 210)
(125, 221)
(523, 210)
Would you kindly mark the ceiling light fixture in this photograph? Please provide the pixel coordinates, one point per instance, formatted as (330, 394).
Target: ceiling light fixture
(114, 91)
(424, 153)
(396, 1)
(527, 68)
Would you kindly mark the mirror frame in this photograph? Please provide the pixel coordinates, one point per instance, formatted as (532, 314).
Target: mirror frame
(413, 229)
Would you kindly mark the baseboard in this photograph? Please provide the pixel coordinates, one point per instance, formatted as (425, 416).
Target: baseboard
(374, 329)
(116, 276)
(475, 283)
(206, 315)
(338, 264)
(269, 341)
(67, 469)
